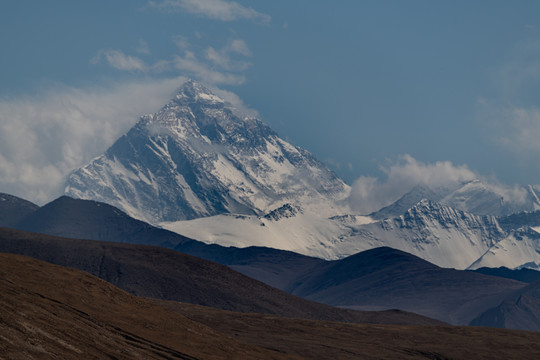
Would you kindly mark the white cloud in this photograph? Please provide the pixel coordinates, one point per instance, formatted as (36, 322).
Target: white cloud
(223, 59)
(213, 9)
(120, 61)
(370, 194)
(215, 67)
(239, 46)
(236, 102)
(190, 65)
(44, 137)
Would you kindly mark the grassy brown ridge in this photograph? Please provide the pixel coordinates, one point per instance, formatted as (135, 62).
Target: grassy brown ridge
(327, 340)
(50, 312)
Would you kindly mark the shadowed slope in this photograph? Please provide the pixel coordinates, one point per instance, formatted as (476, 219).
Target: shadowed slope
(51, 312)
(92, 220)
(278, 268)
(14, 209)
(520, 310)
(523, 274)
(166, 274)
(389, 278)
(87, 219)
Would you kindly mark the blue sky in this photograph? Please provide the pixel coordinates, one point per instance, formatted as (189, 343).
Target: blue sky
(369, 87)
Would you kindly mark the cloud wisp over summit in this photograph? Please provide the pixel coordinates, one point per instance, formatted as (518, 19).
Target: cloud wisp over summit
(44, 137)
(214, 66)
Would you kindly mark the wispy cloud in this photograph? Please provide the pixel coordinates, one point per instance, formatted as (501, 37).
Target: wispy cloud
(369, 194)
(120, 61)
(223, 57)
(181, 42)
(44, 137)
(516, 128)
(191, 65)
(223, 66)
(213, 9)
(236, 102)
(512, 116)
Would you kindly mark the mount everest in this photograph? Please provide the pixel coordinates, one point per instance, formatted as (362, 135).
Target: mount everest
(200, 157)
(201, 168)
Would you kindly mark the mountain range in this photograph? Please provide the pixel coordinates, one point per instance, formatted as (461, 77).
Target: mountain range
(202, 168)
(443, 235)
(376, 279)
(270, 229)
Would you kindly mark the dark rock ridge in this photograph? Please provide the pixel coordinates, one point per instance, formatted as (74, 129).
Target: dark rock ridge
(88, 219)
(520, 310)
(13, 209)
(524, 274)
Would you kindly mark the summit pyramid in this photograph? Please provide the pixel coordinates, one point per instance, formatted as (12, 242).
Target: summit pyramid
(199, 156)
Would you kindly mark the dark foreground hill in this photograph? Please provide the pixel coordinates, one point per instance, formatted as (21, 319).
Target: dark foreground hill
(13, 209)
(523, 274)
(167, 274)
(87, 219)
(331, 340)
(52, 312)
(389, 278)
(520, 310)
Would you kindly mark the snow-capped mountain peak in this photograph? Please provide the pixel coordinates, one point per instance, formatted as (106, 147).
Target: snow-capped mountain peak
(197, 157)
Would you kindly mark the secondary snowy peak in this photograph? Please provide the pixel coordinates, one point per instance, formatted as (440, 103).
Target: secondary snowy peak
(198, 157)
(480, 198)
(407, 201)
(440, 234)
(474, 196)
